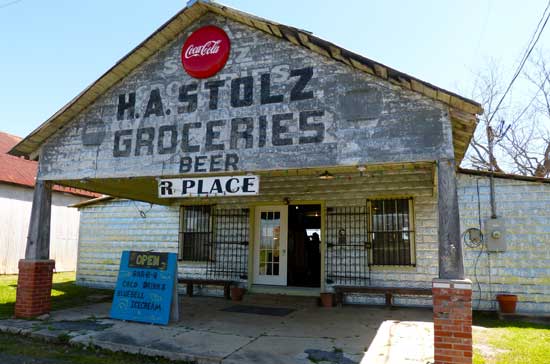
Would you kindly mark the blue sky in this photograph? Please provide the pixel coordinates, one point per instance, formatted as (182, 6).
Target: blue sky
(51, 50)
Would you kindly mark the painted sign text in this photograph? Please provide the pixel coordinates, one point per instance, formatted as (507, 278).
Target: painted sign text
(209, 186)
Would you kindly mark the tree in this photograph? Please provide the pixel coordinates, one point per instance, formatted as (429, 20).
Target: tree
(529, 146)
(515, 137)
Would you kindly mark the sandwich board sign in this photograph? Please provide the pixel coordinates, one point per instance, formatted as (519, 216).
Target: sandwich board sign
(146, 289)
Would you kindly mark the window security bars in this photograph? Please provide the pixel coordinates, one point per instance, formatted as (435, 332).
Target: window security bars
(347, 255)
(358, 237)
(195, 233)
(218, 237)
(229, 245)
(392, 231)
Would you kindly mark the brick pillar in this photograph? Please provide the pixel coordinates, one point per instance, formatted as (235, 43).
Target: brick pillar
(452, 300)
(34, 287)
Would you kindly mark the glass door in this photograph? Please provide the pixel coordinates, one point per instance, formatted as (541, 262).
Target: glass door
(270, 245)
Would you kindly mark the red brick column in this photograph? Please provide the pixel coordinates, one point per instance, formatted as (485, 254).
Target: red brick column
(34, 287)
(452, 300)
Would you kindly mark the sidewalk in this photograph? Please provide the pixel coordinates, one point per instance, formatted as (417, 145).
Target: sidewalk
(208, 333)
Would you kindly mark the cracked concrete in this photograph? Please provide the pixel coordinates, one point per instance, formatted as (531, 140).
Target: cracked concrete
(205, 334)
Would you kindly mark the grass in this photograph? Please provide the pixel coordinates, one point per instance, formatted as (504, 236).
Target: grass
(22, 349)
(65, 293)
(510, 342)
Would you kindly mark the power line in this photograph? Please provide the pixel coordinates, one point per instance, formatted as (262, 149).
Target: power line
(530, 46)
(534, 33)
(9, 3)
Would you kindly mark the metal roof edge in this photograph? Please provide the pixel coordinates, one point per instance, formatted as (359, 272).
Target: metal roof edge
(517, 177)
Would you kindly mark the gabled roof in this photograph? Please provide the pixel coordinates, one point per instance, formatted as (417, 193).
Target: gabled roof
(22, 172)
(463, 110)
(8, 141)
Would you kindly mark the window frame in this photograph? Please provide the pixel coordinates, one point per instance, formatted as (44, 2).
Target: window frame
(182, 231)
(412, 230)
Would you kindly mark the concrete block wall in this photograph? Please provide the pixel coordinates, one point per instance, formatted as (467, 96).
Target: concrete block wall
(107, 229)
(110, 228)
(524, 268)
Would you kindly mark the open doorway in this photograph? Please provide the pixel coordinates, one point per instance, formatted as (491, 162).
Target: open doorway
(304, 245)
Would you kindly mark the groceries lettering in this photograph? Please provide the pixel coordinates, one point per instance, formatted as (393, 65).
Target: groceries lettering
(219, 139)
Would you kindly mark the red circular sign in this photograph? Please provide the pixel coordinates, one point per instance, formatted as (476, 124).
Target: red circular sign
(205, 52)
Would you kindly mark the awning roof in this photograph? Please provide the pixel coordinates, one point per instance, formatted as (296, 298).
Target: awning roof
(22, 172)
(463, 110)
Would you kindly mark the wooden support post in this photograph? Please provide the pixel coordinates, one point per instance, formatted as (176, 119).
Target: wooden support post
(452, 294)
(34, 283)
(38, 240)
(451, 264)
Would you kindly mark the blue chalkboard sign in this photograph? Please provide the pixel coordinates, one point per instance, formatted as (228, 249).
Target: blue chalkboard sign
(145, 287)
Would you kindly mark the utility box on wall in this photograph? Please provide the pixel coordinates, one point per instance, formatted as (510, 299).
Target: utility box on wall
(495, 234)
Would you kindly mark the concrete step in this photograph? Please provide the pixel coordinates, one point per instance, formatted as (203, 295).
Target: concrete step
(266, 299)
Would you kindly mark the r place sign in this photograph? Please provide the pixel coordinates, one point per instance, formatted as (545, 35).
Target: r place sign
(209, 186)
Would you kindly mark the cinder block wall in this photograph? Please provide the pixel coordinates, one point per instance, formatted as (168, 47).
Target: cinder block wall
(111, 227)
(524, 269)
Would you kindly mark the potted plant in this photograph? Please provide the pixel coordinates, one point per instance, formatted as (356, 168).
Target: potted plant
(237, 293)
(327, 299)
(507, 302)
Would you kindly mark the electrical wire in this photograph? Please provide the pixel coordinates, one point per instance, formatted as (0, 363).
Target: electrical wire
(141, 212)
(5, 5)
(530, 46)
(490, 283)
(476, 244)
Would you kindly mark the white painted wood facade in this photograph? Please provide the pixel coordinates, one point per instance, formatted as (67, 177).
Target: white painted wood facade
(15, 213)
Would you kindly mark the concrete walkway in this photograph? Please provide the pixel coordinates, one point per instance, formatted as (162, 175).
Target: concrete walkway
(206, 334)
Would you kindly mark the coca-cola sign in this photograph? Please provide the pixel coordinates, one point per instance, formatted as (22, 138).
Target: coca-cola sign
(205, 52)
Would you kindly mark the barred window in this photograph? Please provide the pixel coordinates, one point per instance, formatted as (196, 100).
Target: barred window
(195, 233)
(392, 232)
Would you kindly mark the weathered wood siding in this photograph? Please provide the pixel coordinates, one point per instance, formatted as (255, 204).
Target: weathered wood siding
(15, 213)
(280, 107)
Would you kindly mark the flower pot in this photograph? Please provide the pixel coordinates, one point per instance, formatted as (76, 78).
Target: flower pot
(237, 293)
(327, 299)
(507, 302)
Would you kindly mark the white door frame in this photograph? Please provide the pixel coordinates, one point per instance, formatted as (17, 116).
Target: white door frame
(281, 278)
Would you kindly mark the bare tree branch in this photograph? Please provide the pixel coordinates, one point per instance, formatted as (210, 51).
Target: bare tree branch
(518, 134)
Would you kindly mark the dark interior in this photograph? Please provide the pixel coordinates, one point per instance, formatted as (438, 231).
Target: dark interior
(304, 245)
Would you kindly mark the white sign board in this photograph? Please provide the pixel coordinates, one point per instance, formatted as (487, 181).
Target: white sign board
(209, 186)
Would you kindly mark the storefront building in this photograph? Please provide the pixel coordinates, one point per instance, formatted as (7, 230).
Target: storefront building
(519, 268)
(288, 163)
